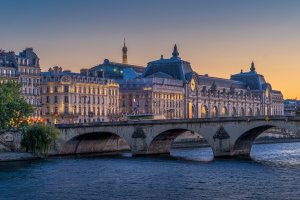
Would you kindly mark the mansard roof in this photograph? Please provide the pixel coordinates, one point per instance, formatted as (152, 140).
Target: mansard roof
(28, 53)
(252, 79)
(220, 82)
(160, 75)
(174, 67)
(8, 59)
(137, 68)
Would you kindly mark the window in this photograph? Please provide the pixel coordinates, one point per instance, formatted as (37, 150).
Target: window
(66, 99)
(55, 88)
(47, 99)
(66, 88)
(55, 99)
(66, 110)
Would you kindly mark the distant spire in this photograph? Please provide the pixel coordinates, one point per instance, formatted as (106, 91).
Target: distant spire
(252, 68)
(124, 51)
(175, 52)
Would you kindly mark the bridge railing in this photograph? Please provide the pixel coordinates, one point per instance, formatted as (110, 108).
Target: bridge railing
(194, 120)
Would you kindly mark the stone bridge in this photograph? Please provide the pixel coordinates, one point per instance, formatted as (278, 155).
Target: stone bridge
(227, 136)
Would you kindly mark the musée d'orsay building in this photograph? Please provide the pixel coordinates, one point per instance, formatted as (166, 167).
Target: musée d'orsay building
(171, 88)
(167, 87)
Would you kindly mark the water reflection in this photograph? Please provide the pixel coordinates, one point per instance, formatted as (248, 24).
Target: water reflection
(272, 172)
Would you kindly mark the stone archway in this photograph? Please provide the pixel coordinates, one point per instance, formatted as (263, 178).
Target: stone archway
(257, 112)
(249, 112)
(242, 146)
(234, 112)
(204, 111)
(97, 142)
(224, 111)
(214, 112)
(242, 111)
(162, 143)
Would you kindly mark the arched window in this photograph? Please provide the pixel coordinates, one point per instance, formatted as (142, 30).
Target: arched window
(204, 111)
(250, 112)
(242, 113)
(234, 112)
(257, 112)
(224, 111)
(214, 112)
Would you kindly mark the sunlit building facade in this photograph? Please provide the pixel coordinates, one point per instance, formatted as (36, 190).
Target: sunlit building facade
(69, 97)
(171, 88)
(29, 75)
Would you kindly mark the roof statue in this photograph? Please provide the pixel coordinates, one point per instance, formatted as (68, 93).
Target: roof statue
(252, 68)
(175, 52)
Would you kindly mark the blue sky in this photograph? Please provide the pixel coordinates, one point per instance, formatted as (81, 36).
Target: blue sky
(217, 37)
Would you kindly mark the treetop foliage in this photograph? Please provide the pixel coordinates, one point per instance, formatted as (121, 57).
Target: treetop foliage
(14, 110)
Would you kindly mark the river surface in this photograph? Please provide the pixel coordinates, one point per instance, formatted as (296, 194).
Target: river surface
(273, 172)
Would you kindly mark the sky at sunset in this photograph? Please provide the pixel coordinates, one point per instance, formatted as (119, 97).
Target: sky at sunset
(218, 38)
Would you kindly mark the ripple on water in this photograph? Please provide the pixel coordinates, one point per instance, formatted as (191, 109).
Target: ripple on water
(273, 172)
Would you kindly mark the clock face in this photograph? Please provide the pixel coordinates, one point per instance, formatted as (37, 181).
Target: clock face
(193, 84)
(66, 79)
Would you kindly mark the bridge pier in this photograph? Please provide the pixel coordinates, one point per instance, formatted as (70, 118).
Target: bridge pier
(221, 144)
(138, 145)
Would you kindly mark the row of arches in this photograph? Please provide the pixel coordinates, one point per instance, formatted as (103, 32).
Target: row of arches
(224, 112)
(103, 142)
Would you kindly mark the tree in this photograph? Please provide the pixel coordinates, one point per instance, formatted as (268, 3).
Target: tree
(38, 138)
(14, 110)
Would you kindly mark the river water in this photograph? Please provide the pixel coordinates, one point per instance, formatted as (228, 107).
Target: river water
(273, 172)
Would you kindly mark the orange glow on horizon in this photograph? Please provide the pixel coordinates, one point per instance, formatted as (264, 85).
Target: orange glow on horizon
(282, 72)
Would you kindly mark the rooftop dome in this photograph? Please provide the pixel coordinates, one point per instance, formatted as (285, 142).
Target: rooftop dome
(174, 68)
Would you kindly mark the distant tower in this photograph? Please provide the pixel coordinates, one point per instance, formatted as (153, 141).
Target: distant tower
(252, 68)
(124, 50)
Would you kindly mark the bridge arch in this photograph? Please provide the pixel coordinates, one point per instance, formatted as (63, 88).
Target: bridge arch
(95, 142)
(162, 143)
(243, 144)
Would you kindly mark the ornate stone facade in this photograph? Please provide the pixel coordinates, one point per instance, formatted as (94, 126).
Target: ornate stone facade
(69, 97)
(156, 96)
(29, 75)
(171, 87)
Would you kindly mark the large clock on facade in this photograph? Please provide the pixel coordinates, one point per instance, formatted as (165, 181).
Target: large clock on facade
(193, 84)
(66, 79)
